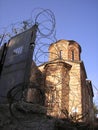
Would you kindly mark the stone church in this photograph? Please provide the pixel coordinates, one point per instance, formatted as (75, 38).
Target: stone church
(68, 93)
(58, 88)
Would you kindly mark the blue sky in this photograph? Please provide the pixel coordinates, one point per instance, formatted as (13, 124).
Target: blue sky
(75, 20)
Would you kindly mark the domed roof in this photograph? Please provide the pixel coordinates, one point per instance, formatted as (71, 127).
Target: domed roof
(70, 42)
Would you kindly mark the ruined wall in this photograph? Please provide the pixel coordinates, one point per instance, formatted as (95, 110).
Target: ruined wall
(26, 116)
(35, 91)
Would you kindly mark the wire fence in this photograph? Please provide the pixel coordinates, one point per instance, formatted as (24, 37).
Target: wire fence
(46, 34)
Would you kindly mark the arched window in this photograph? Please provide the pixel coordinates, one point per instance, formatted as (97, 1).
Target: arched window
(72, 54)
(74, 51)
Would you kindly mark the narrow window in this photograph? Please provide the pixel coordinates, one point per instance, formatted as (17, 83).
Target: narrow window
(72, 54)
(60, 54)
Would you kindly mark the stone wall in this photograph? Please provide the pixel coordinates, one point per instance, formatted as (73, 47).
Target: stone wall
(35, 91)
(25, 116)
(68, 51)
(28, 116)
(57, 88)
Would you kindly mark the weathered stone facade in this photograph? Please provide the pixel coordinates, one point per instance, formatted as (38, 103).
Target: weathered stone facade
(68, 93)
(57, 95)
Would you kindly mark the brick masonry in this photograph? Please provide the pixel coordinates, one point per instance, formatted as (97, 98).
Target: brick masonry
(65, 85)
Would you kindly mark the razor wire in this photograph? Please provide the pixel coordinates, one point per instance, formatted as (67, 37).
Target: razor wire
(46, 34)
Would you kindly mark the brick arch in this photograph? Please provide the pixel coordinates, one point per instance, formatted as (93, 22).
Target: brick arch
(73, 53)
